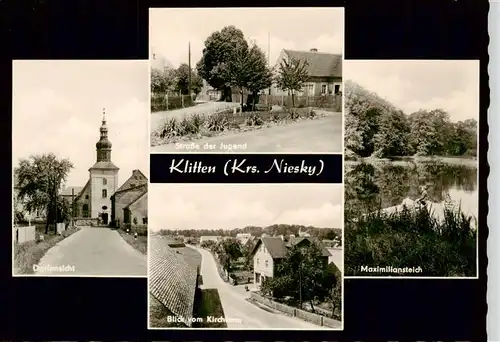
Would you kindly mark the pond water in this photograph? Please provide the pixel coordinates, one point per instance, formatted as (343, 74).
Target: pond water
(385, 184)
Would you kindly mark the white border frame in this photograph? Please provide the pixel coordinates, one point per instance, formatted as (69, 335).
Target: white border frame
(477, 181)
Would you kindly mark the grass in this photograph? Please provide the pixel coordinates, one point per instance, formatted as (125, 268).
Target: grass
(207, 303)
(412, 238)
(30, 253)
(140, 244)
(199, 125)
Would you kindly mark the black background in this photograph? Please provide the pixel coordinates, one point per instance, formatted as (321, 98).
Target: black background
(115, 309)
(332, 168)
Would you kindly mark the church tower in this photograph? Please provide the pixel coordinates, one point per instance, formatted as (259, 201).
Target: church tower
(103, 177)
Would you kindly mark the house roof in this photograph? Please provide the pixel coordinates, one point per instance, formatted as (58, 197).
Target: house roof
(127, 184)
(104, 165)
(274, 245)
(171, 280)
(143, 192)
(320, 64)
(68, 191)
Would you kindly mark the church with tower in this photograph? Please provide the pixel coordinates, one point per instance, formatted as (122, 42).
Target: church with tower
(101, 199)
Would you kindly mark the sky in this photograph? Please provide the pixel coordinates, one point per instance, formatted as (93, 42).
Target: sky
(410, 85)
(229, 206)
(58, 106)
(289, 28)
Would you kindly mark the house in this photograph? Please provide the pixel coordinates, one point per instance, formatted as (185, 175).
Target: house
(324, 70)
(209, 238)
(268, 252)
(129, 204)
(243, 238)
(303, 234)
(172, 281)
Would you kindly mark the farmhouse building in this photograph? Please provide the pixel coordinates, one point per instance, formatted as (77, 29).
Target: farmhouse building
(269, 251)
(101, 198)
(243, 238)
(209, 238)
(324, 71)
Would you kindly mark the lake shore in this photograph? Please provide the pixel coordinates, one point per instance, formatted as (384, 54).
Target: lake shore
(472, 162)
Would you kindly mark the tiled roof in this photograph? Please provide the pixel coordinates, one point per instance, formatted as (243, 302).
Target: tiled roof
(171, 280)
(320, 64)
(143, 192)
(274, 245)
(137, 178)
(104, 166)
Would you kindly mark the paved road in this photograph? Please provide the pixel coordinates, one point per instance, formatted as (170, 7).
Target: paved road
(95, 252)
(236, 307)
(158, 118)
(320, 135)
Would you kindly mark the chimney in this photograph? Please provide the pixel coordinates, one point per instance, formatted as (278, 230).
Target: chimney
(314, 50)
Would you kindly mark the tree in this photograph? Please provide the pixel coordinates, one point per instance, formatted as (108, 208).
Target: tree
(182, 80)
(228, 250)
(220, 49)
(40, 179)
(302, 275)
(163, 80)
(261, 76)
(292, 75)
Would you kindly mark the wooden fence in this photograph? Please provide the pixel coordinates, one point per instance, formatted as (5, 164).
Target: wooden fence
(330, 101)
(295, 312)
(163, 102)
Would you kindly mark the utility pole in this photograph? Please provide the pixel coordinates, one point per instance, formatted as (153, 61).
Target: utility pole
(189, 65)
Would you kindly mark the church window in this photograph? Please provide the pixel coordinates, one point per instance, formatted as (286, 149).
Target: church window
(104, 181)
(85, 210)
(104, 193)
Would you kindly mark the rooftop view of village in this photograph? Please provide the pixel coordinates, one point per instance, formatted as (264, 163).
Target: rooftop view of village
(276, 277)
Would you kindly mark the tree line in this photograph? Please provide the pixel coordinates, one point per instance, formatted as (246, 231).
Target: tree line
(230, 62)
(175, 80)
(275, 229)
(375, 127)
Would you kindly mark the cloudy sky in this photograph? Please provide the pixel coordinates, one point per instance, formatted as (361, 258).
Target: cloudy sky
(228, 206)
(290, 28)
(426, 84)
(58, 105)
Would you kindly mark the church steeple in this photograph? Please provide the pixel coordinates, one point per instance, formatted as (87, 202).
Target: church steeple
(103, 146)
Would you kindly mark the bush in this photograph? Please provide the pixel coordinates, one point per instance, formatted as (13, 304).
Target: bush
(217, 123)
(254, 120)
(412, 238)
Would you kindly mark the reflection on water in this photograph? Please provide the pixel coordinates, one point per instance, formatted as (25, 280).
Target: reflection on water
(368, 186)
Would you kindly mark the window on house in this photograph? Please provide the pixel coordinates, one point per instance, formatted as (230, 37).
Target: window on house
(85, 210)
(337, 88)
(324, 88)
(258, 261)
(267, 263)
(310, 88)
(104, 181)
(104, 193)
(86, 196)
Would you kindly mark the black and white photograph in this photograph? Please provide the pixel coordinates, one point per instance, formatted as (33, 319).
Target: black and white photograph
(244, 256)
(254, 80)
(411, 168)
(80, 168)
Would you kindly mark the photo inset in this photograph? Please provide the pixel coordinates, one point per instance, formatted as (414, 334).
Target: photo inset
(81, 166)
(245, 256)
(411, 170)
(246, 79)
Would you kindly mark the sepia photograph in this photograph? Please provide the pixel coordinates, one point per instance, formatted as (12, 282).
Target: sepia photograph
(245, 256)
(411, 168)
(80, 168)
(255, 80)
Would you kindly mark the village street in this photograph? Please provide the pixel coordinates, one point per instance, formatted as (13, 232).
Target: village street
(236, 307)
(95, 252)
(320, 135)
